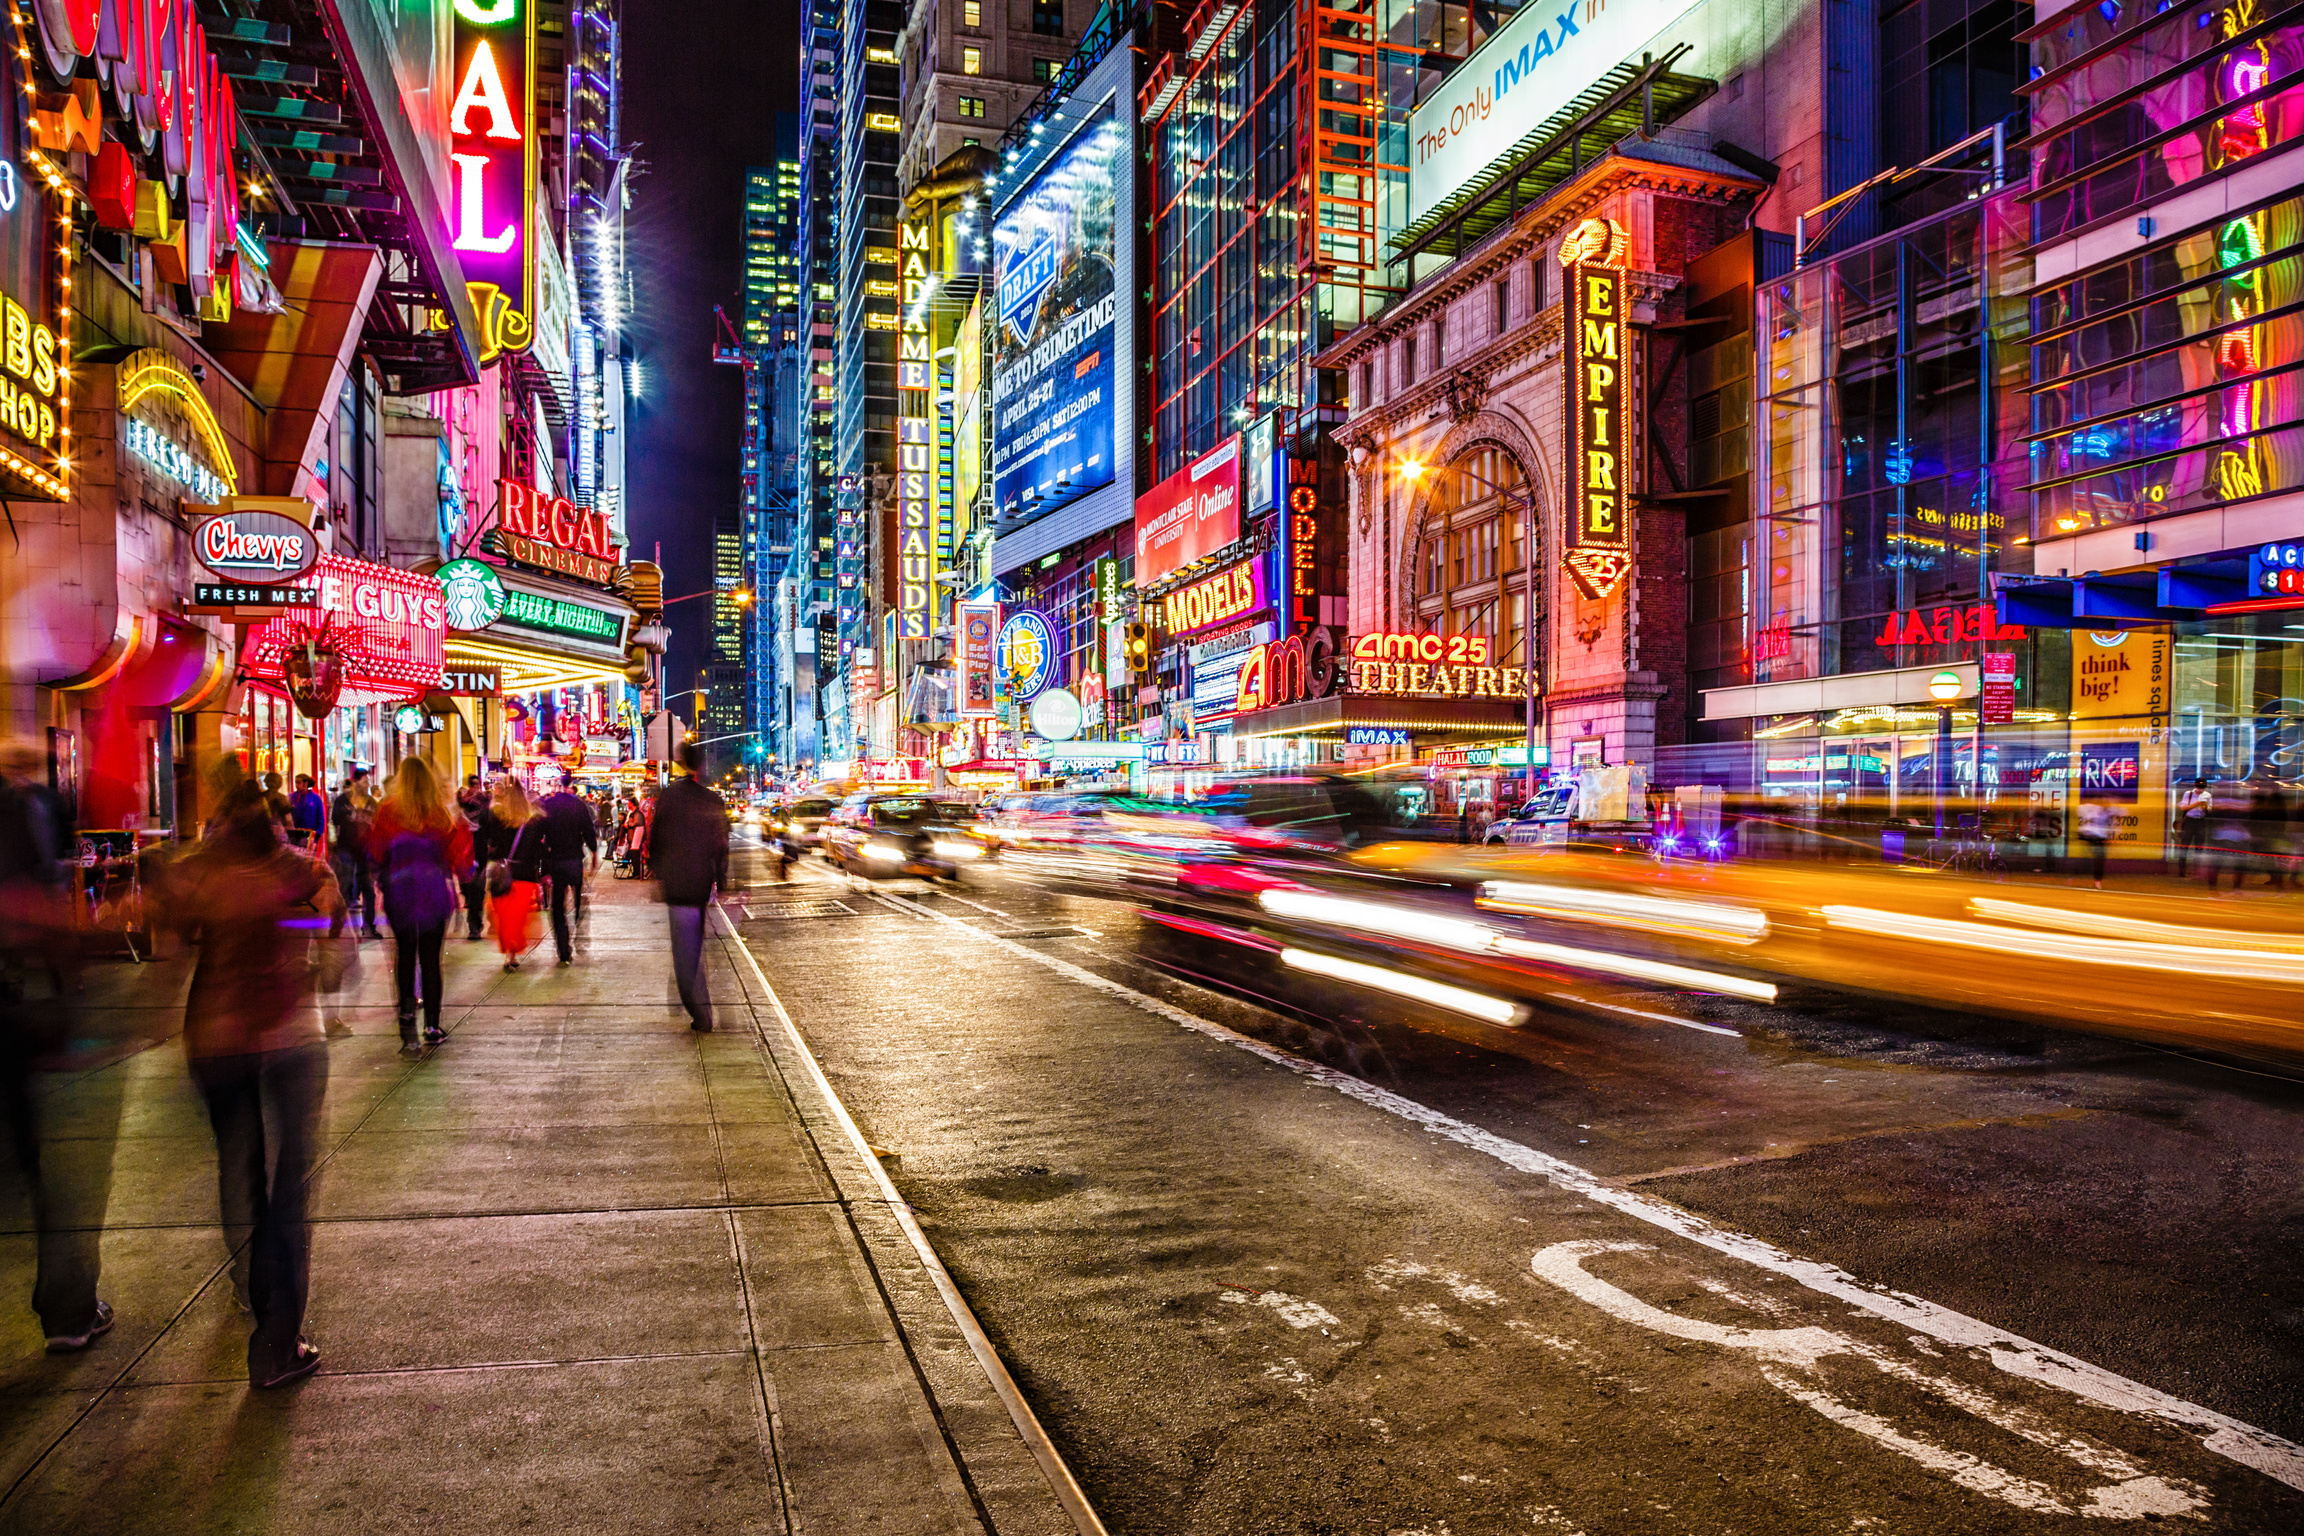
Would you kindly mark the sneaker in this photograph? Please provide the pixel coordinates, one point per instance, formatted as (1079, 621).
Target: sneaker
(701, 1026)
(73, 1343)
(307, 1361)
(567, 960)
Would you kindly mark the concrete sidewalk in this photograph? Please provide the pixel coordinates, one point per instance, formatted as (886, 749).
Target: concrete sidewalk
(581, 1268)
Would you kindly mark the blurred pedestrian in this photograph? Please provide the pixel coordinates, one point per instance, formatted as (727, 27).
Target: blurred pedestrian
(472, 805)
(688, 850)
(421, 849)
(570, 834)
(70, 1180)
(516, 840)
(2231, 808)
(260, 1063)
(2191, 824)
(348, 819)
(2096, 826)
(276, 801)
(307, 814)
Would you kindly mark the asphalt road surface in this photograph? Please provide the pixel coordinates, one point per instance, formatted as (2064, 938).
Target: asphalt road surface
(1655, 1264)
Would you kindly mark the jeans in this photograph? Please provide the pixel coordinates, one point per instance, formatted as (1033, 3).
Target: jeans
(408, 948)
(475, 902)
(266, 1111)
(356, 878)
(688, 961)
(566, 880)
(70, 1180)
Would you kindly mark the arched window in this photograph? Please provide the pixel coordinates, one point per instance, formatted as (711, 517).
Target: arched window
(1468, 575)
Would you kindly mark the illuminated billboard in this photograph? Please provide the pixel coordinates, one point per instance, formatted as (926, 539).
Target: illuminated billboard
(1053, 373)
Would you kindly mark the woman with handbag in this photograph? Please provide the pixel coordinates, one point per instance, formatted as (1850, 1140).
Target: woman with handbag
(419, 847)
(517, 838)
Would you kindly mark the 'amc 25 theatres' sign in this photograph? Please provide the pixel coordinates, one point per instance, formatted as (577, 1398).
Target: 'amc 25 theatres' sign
(552, 533)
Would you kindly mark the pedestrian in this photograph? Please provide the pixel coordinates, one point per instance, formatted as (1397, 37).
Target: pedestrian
(2231, 810)
(276, 802)
(70, 1179)
(2191, 824)
(307, 814)
(261, 1065)
(421, 849)
(472, 804)
(516, 840)
(570, 834)
(2095, 828)
(348, 819)
(688, 849)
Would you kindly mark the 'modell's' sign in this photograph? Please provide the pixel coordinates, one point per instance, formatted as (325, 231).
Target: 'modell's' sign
(552, 533)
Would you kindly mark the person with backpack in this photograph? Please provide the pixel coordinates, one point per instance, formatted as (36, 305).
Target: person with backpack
(421, 848)
(349, 816)
(517, 840)
(570, 833)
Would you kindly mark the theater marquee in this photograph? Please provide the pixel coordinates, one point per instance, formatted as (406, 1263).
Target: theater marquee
(1598, 348)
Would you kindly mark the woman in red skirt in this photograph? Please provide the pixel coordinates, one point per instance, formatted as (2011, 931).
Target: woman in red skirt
(516, 842)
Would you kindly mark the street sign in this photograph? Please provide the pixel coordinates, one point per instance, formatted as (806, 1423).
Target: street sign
(1996, 698)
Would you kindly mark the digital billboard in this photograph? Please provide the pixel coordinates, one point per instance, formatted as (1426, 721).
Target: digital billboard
(1053, 374)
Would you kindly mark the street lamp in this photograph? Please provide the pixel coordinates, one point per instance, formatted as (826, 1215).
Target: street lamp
(1945, 688)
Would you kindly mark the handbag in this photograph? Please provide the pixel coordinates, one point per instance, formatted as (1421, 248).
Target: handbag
(500, 878)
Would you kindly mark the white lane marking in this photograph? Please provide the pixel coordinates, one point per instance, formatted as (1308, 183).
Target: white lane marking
(1295, 1311)
(2228, 1437)
(1665, 1018)
(1061, 1482)
(1790, 1358)
(1384, 1274)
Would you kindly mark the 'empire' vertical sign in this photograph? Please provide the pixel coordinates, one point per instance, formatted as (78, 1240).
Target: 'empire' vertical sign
(1599, 550)
(915, 440)
(492, 156)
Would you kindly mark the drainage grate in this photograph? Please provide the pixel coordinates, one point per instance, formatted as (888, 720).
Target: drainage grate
(1045, 933)
(803, 909)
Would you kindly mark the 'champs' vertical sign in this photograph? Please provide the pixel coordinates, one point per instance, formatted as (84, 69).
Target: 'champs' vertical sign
(1599, 550)
(492, 159)
(915, 440)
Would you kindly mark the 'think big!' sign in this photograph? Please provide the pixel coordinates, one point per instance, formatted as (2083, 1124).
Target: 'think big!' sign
(1599, 549)
(492, 159)
(255, 546)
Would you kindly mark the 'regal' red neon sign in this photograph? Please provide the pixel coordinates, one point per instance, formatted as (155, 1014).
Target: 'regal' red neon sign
(553, 533)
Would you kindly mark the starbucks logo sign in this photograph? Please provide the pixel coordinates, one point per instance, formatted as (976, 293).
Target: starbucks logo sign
(474, 593)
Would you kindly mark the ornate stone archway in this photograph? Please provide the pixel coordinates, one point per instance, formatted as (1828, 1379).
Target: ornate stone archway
(1481, 428)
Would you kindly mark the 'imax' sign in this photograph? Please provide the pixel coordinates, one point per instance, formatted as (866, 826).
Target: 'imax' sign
(1546, 56)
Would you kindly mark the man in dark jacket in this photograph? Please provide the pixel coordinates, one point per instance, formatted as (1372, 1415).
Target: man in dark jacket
(348, 817)
(569, 834)
(688, 850)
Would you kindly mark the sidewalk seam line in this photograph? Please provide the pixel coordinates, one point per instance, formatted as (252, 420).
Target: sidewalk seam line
(1061, 1482)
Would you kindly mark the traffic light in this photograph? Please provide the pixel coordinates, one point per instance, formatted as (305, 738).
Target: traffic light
(1139, 646)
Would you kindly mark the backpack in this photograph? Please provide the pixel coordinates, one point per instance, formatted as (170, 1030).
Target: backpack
(416, 891)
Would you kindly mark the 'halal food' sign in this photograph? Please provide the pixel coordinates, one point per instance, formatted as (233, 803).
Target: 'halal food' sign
(1599, 552)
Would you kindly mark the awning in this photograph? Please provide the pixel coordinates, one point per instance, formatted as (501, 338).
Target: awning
(1434, 720)
(1850, 690)
(2122, 599)
(294, 362)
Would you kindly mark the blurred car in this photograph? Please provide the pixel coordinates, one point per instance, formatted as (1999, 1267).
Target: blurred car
(883, 836)
(799, 824)
(1541, 822)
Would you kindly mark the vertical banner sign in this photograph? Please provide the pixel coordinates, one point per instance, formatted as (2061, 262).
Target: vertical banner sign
(1108, 590)
(1996, 700)
(979, 626)
(1599, 552)
(915, 440)
(1302, 553)
(492, 162)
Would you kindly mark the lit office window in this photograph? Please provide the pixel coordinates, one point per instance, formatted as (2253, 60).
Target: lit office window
(971, 61)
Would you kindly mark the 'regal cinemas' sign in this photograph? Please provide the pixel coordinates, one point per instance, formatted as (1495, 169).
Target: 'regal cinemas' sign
(171, 111)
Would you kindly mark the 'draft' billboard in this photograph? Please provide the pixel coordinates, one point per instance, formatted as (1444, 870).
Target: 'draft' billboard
(1053, 376)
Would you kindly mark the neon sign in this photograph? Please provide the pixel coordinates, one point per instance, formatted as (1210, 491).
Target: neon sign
(492, 160)
(1946, 625)
(1231, 593)
(915, 442)
(1447, 650)
(1026, 651)
(1431, 666)
(1599, 551)
(395, 621)
(552, 533)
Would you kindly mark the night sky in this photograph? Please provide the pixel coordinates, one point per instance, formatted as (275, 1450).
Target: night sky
(703, 82)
